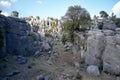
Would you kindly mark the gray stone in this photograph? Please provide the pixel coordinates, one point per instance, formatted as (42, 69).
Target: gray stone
(35, 28)
(93, 70)
(40, 77)
(109, 25)
(118, 78)
(48, 77)
(37, 54)
(111, 55)
(17, 36)
(21, 60)
(95, 47)
(12, 73)
(109, 32)
(46, 46)
(118, 30)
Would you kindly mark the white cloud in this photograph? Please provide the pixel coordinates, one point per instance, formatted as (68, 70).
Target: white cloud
(116, 8)
(5, 13)
(39, 1)
(13, 0)
(5, 3)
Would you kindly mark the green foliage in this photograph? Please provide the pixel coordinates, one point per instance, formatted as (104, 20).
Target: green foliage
(1, 38)
(64, 39)
(117, 22)
(37, 17)
(33, 23)
(53, 24)
(103, 14)
(32, 34)
(68, 27)
(15, 14)
(74, 18)
(115, 19)
(30, 16)
(78, 76)
(47, 34)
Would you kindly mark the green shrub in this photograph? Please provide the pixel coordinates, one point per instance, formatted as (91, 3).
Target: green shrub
(33, 23)
(53, 24)
(64, 39)
(47, 34)
(32, 34)
(78, 76)
(69, 29)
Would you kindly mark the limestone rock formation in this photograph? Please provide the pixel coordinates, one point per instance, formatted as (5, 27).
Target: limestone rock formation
(110, 25)
(19, 39)
(95, 47)
(111, 55)
(103, 48)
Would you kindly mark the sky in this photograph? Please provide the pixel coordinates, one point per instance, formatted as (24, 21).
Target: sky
(57, 8)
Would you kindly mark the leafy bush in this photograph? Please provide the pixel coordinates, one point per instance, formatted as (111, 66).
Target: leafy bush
(47, 34)
(68, 27)
(32, 34)
(75, 17)
(15, 14)
(78, 76)
(64, 39)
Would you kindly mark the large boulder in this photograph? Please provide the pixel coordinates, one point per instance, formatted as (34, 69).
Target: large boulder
(95, 47)
(111, 55)
(46, 46)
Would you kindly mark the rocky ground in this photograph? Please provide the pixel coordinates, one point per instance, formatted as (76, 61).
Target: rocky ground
(61, 65)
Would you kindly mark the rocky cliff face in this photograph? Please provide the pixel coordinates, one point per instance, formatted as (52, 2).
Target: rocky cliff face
(18, 38)
(102, 50)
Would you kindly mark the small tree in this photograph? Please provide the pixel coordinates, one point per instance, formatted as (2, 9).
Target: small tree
(75, 17)
(37, 17)
(53, 24)
(113, 17)
(30, 16)
(15, 14)
(103, 14)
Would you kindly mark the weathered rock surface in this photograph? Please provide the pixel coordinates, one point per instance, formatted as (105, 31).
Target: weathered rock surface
(103, 48)
(95, 47)
(21, 60)
(19, 37)
(40, 77)
(111, 55)
(110, 25)
(12, 73)
(93, 70)
(46, 46)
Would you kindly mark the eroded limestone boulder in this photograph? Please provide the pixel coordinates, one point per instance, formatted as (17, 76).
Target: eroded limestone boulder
(93, 70)
(111, 55)
(95, 47)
